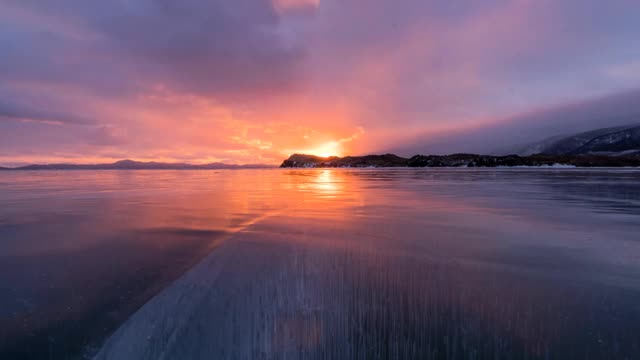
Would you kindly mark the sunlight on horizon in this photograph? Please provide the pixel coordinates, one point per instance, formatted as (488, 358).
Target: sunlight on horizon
(332, 148)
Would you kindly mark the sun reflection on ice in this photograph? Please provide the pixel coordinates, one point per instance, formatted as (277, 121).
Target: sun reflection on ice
(326, 184)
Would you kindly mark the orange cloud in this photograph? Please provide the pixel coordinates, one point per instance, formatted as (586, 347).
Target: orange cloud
(287, 5)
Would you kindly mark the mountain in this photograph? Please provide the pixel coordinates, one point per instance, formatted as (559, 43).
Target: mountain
(607, 141)
(619, 142)
(460, 160)
(139, 165)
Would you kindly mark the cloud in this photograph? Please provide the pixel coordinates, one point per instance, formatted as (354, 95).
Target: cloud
(249, 80)
(286, 6)
(627, 72)
(224, 48)
(502, 135)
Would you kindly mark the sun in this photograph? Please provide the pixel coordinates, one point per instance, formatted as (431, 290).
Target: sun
(331, 148)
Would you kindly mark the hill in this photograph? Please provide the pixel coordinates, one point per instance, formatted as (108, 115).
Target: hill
(606, 141)
(139, 165)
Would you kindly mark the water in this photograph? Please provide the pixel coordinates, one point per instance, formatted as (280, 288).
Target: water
(320, 264)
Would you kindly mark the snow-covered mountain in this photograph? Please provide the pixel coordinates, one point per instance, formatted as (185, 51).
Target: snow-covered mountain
(607, 141)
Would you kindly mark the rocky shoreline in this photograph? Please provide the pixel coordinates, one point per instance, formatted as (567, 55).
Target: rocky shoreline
(460, 160)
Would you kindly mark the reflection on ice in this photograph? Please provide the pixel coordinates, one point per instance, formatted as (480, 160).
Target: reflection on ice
(403, 265)
(322, 264)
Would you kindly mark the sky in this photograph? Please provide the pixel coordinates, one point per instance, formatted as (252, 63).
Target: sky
(253, 81)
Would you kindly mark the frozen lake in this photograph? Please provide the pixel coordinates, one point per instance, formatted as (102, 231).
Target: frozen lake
(320, 264)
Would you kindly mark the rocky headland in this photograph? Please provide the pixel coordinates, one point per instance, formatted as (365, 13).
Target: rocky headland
(460, 160)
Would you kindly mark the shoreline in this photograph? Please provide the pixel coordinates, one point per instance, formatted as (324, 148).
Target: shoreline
(461, 160)
(542, 167)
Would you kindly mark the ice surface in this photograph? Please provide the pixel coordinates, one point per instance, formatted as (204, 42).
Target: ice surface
(321, 264)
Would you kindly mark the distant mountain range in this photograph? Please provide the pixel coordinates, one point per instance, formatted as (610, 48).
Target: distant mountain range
(138, 165)
(614, 141)
(461, 160)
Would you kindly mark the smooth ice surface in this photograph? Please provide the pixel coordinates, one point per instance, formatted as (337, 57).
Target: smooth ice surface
(323, 263)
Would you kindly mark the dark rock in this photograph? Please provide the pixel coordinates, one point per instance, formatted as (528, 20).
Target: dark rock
(312, 161)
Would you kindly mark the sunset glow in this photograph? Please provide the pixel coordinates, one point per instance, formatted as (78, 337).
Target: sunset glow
(319, 179)
(286, 5)
(329, 149)
(284, 76)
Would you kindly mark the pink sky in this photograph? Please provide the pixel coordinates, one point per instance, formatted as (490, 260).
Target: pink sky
(252, 81)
